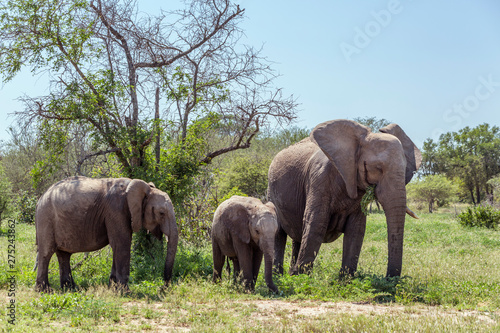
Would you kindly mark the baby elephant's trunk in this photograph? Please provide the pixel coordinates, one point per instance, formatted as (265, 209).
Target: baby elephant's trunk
(268, 267)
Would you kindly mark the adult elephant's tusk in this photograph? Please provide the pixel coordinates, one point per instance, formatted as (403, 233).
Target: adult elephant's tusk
(411, 213)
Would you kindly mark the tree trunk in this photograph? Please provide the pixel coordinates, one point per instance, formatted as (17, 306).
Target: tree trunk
(157, 126)
(472, 196)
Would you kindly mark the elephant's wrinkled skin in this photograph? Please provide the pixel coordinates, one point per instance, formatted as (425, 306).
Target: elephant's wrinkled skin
(82, 214)
(243, 230)
(317, 185)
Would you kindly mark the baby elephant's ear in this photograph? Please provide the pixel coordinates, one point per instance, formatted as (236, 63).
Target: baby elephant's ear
(271, 206)
(236, 220)
(137, 191)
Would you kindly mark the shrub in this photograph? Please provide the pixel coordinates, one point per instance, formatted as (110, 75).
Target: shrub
(26, 205)
(480, 216)
(148, 257)
(5, 194)
(76, 306)
(433, 190)
(249, 174)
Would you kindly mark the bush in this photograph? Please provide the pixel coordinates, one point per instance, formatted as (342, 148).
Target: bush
(433, 190)
(148, 257)
(249, 174)
(5, 194)
(480, 216)
(26, 205)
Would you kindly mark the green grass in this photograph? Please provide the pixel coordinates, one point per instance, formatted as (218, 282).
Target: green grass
(450, 283)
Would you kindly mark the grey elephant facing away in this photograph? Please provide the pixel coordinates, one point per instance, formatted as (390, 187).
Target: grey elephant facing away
(317, 186)
(244, 230)
(82, 214)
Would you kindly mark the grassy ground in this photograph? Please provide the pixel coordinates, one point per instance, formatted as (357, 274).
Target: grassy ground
(450, 283)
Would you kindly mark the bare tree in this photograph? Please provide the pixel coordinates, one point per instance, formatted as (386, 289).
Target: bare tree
(107, 59)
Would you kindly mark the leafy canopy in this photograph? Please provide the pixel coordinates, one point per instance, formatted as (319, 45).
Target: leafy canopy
(471, 155)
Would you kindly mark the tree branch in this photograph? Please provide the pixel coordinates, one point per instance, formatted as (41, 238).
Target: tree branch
(99, 153)
(207, 37)
(210, 156)
(61, 47)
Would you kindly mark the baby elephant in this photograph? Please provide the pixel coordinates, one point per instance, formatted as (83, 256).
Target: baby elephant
(244, 230)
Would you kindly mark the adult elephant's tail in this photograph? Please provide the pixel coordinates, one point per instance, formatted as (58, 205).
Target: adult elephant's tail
(36, 262)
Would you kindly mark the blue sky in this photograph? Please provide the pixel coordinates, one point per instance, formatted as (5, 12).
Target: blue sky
(430, 66)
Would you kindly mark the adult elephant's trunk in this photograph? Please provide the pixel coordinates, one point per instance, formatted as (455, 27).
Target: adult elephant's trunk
(395, 235)
(268, 266)
(173, 238)
(394, 203)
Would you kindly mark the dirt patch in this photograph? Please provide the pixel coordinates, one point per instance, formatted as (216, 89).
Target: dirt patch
(310, 308)
(266, 311)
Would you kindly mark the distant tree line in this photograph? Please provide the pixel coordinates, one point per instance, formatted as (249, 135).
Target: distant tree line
(470, 157)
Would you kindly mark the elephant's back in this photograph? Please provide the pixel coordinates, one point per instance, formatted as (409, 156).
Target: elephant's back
(73, 191)
(79, 195)
(291, 159)
(220, 233)
(288, 166)
(287, 177)
(229, 210)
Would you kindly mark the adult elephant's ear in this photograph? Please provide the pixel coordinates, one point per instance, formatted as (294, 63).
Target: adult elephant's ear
(236, 220)
(339, 140)
(136, 191)
(412, 153)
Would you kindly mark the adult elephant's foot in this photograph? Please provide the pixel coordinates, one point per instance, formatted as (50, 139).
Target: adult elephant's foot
(301, 269)
(273, 288)
(119, 287)
(43, 287)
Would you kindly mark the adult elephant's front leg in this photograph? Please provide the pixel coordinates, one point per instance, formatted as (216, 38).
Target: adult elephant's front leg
(354, 233)
(314, 230)
(121, 263)
(279, 250)
(295, 254)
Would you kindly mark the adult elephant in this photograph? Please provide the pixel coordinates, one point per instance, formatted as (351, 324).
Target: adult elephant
(82, 214)
(317, 186)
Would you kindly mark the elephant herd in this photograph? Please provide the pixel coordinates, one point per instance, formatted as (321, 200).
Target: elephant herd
(315, 189)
